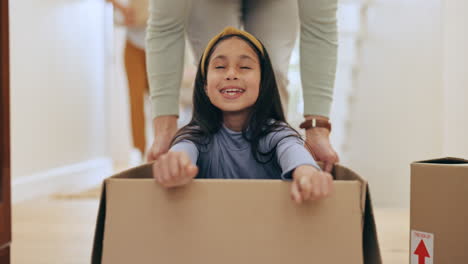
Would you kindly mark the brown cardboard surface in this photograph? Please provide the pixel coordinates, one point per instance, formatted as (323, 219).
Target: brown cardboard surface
(439, 206)
(232, 221)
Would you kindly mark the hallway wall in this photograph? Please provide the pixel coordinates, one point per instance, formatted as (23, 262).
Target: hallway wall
(397, 107)
(455, 78)
(58, 92)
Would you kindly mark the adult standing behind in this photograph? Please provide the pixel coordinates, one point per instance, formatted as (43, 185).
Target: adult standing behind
(274, 22)
(134, 17)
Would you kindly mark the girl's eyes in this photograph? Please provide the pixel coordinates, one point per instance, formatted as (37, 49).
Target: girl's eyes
(222, 67)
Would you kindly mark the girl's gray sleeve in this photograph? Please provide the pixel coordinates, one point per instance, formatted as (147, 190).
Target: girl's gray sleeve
(165, 46)
(318, 54)
(189, 148)
(291, 154)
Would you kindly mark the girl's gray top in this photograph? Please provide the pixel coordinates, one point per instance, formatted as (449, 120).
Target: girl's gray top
(228, 155)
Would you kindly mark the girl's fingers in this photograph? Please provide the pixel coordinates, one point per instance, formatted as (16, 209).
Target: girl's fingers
(184, 161)
(316, 186)
(295, 192)
(324, 185)
(331, 187)
(305, 187)
(174, 166)
(191, 171)
(165, 176)
(156, 171)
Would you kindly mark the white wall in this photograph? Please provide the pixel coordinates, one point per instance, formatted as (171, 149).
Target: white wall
(58, 87)
(455, 50)
(396, 114)
(119, 133)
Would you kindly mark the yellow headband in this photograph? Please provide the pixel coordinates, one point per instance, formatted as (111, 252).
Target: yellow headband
(229, 31)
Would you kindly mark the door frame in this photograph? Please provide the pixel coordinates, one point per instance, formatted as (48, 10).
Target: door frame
(5, 173)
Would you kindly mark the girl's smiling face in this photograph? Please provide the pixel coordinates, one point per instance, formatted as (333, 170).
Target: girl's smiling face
(233, 76)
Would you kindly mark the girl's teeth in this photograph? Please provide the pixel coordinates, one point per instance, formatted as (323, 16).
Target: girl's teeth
(232, 91)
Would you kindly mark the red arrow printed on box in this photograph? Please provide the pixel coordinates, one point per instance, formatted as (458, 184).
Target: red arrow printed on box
(422, 253)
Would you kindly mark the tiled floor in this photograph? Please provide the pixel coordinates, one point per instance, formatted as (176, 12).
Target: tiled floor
(61, 231)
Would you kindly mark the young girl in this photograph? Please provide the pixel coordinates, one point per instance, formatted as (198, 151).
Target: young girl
(238, 129)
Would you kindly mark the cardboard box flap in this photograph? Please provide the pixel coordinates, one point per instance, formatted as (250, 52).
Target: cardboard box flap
(370, 246)
(96, 255)
(341, 173)
(370, 240)
(446, 160)
(141, 172)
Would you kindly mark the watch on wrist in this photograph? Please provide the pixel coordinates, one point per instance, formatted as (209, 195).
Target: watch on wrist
(314, 122)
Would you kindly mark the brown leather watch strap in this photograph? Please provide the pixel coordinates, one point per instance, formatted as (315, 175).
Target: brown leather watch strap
(312, 123)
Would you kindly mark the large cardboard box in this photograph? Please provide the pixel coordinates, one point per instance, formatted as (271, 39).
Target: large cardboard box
(232, 222)
(439, 211)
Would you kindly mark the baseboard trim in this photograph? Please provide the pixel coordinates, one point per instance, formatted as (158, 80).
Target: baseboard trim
(70, 178)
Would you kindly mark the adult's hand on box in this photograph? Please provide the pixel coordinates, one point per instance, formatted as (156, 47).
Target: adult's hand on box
(165, 127)
(174, 169)
(319, 141)
(310, 184)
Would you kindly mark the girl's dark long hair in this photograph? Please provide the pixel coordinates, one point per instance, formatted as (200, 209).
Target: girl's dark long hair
(265, 117)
